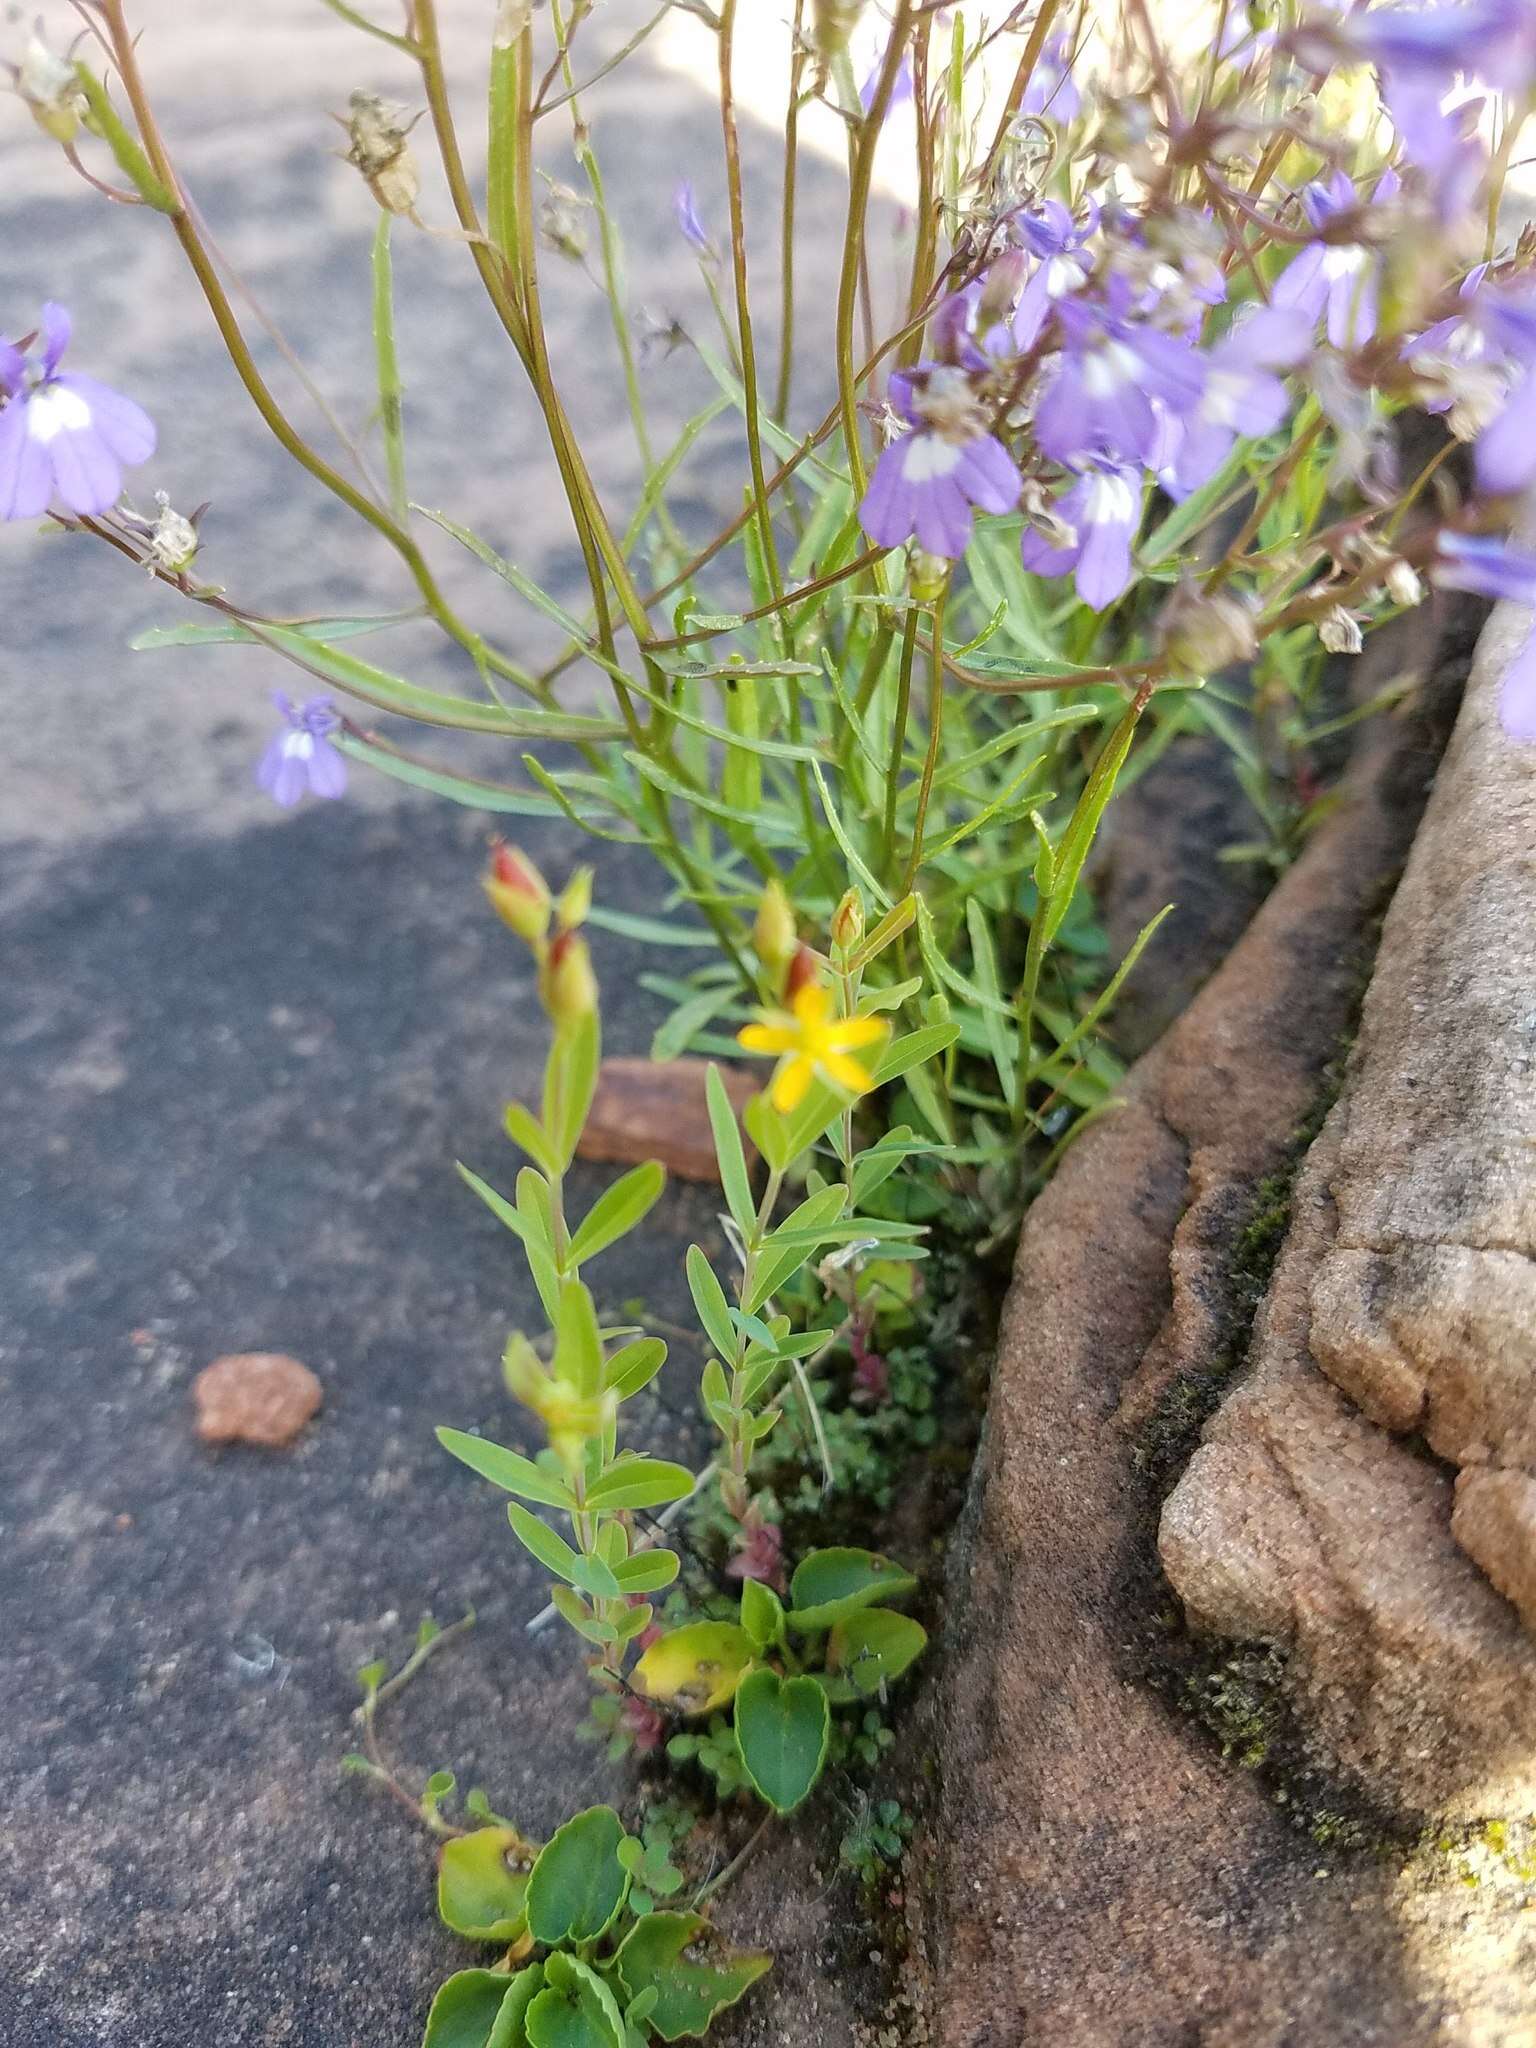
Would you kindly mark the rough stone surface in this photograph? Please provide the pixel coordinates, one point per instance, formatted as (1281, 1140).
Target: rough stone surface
(1097, 1873)
(255, 1397)
(657, 1109)
(1407, 1278)
(1424, 1308)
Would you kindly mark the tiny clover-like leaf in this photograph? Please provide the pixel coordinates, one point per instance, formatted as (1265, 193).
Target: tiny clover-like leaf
(866, 1651)
(782, 1729)
(482, 1884)
(483, 2009)
(695, 1668)
(762, 1614)
(578, 1883)
(688, 1991)
(575, 2009)
(830, 1584)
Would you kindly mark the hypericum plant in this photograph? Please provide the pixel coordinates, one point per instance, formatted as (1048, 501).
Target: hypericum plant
(589, 1960)
(780, 1669)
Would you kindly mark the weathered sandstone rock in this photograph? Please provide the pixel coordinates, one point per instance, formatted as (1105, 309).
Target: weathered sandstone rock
(1310, 1520)
(1099, 1874)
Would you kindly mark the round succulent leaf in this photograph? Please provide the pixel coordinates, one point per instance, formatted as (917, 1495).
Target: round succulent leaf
(578, 1883)
(467, 2009)
(830, 1584)
(695, 1668)
(782, 1729)
(873, 1648)
(685, 1991)
(482, 1884)
(575, 2009)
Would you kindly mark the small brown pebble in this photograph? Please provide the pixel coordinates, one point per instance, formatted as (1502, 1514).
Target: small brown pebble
(656, 1109)
(255, 1397)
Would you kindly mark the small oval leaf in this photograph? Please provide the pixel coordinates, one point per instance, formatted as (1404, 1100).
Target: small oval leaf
(482, 1884)
(578, 1883)
(695, 1668)
(830, 1584)
(782, 1728)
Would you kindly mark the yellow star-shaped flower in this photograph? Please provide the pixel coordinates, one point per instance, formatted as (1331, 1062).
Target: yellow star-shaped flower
(813, 1042)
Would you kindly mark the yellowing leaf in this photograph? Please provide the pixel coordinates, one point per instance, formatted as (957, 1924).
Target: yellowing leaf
(696, 1668)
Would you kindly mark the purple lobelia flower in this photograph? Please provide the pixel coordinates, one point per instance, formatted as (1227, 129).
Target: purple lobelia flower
(927, 482)
(302, 758)
(1056, 240)
(1099, 400)
(901, 86)
(64, 439)
(1242, 396)
(686, 213)
(1103, 509)
(1335, 279)
(1490, 567)
(1051, 90)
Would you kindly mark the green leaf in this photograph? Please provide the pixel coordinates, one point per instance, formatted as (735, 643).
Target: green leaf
(787, 1250)
(466, 2012)
(589, 1574)
(867, 1651)
(511, 2028)
(506, 1469)
(524, 1129)
(729, 1153)
(647, 1571)
(575, 2009)
(195, 634)
(578, 1883)
(709, 1299)
(695, 1668)
(640, 1483)
(578, 1339)
(831, 1584)
(651, 931)
(386, 692)
(617, 1211)
(482, 1884)
(762, 1614)
(634, 1366)
(909, 1051)
(582, 1047)
(782, 1729)
(689, 1993)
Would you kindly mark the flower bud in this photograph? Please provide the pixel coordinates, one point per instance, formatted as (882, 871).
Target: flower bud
(848, 922)
(926, 576)
(518, 893)
(773, 932)
(832, 25)
(48, 85)
(380, 151)
(1202, 634)
(1403, 584)
(562, 224)
(567, 983)
(574, 901)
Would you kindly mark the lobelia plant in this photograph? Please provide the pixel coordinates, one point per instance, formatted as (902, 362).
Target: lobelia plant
(1119, 458)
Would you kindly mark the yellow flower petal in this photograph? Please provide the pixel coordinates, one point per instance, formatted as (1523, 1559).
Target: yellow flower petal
(791, 1084)
(851, 1031)
(812, 1005)
(768, 1037)
(845, 1071)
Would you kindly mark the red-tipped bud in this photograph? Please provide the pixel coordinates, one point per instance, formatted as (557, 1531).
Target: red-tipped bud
(568, 985)
(518, 894)
(804, 969)
(848, 922)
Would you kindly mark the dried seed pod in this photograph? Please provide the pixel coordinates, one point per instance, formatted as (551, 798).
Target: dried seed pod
(379, 149)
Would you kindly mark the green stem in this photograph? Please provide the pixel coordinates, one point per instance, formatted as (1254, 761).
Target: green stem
(931, 758)
(898, 740)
